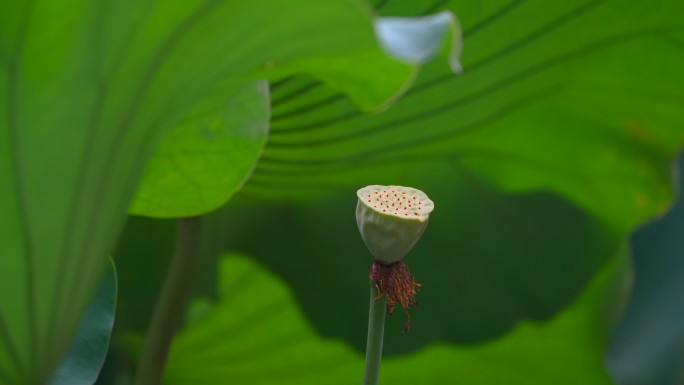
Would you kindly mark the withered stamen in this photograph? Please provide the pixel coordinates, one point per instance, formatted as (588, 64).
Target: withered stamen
(396, 283)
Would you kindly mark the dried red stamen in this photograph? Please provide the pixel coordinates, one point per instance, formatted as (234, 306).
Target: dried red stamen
(396, 283)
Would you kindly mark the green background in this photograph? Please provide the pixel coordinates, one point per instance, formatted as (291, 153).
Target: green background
(543, 157)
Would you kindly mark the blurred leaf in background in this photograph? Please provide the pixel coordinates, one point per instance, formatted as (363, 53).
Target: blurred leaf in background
(254, 333)
(648, 345)
(487, 261)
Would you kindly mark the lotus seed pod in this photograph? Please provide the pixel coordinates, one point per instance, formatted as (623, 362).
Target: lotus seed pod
(391, 219)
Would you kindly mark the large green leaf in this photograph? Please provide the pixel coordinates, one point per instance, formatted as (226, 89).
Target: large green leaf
(208, 156)
(254, 333)
(87, 353)
(87, 88)
(204, 160)
(581, 98)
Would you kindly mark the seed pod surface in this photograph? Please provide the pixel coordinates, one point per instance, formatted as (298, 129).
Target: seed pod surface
(391, 219)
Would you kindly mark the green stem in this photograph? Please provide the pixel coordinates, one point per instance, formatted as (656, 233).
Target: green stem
(376, 330)
(171, 302)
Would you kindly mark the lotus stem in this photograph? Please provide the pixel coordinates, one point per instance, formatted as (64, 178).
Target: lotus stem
(171, 302)
(376, 331)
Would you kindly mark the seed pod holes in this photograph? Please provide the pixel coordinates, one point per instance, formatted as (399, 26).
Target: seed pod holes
(391, 219)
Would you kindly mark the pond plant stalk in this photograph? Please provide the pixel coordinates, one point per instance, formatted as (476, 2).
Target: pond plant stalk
(172, 301)
(391, 219)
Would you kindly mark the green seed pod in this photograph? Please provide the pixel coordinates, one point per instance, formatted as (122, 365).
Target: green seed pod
(391, 219)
